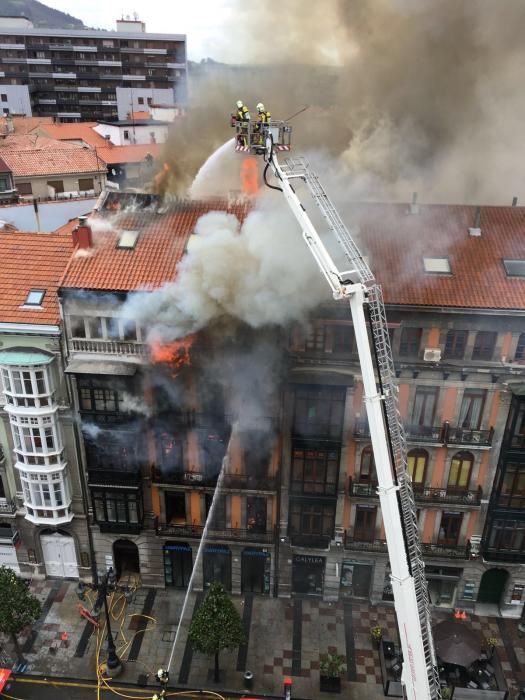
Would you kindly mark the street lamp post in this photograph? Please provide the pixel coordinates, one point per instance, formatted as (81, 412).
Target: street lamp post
(107, 584)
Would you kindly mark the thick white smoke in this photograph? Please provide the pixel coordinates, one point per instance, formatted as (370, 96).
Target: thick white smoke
(260, 274)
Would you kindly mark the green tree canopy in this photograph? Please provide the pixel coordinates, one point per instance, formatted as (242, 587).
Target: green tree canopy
(18, 607)
(216, 625)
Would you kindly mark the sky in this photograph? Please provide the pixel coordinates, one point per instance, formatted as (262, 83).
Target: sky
(199, 19)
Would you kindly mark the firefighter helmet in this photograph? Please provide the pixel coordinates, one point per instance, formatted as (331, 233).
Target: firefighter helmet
(240, 104)
(260, 107)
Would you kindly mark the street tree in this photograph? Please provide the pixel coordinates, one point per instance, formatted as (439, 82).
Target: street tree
(216, 625)
(18, 607)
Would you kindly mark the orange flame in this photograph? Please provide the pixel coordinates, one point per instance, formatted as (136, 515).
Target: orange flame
(250, 176)
(176, 354)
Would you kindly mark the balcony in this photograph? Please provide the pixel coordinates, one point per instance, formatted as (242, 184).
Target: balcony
(362, 490)
(183, 478)
(114, 477)
(423, 494)
(453, 551)
(504, 555)
(7, 507)
(110, 347)
(249, 481)
(467, 438)
(121, 528)
(431, 434)
(196, 531)
(314, 541)
(364, 546)
(460, 497)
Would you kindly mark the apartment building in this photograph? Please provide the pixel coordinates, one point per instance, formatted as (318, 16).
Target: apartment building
(454, 297)
(42, 522)
(89, 75)
(297, 512)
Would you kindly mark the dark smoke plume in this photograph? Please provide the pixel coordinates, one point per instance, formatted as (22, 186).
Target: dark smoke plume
(407, 94)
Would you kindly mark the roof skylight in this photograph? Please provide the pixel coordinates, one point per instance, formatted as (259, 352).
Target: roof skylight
(35, 297)
(514, 268)
(437, 265)
(128, 239)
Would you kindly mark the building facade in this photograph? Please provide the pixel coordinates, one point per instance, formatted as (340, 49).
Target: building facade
(294, 510)
(41, 504)
(74, 75)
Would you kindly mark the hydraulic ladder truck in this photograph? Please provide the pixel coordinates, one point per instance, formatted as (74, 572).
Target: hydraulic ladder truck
(419, 677)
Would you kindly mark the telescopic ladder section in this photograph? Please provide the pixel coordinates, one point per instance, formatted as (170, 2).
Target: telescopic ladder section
(298, 168)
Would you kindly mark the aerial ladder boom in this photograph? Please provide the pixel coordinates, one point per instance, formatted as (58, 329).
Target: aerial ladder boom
(419, 676)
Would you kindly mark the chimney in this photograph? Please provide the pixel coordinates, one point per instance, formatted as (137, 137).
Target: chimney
(414, 207)
(9, 124)
(514, 201)
(475, 230)
(82, 237)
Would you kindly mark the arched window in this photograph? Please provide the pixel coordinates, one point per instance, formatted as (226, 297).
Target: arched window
(367, 473)
(460, 470)
(417, 466)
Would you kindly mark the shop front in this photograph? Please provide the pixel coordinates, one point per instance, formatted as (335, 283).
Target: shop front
(178, 564)
(308, 574)
(217, 566)
(255, 570)
(356, 578)
(442, 584)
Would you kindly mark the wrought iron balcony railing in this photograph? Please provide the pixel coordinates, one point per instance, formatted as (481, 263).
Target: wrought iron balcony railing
(423, 494)
(452, 551)
(352, 543)
(7, 507)
(231, 533)
(503, 555)
(117, 477)
(468, 437)
(436, 434)
(249, 481)
(121, 528)
(184, 478)
(307, 540)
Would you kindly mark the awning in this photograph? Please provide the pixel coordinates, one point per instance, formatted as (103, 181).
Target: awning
(98, 366)
(24, 357)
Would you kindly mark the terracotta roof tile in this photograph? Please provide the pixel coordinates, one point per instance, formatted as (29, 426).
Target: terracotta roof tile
(76, 131)
(50, 161)
(29, 142)
(31, 261)
(397, 241)
(153, 261)
(24, 125)
(128, 154)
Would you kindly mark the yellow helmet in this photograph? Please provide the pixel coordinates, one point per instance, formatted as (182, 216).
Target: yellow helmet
(260, 107)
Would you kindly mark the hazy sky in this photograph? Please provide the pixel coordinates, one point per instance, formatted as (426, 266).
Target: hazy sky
(201, 20)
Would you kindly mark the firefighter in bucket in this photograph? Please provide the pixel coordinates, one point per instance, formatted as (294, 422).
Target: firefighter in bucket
(241, 118)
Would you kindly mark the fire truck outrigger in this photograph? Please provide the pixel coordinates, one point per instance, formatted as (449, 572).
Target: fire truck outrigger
(420, 677)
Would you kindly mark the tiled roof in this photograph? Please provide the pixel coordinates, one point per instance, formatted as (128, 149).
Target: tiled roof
(135, 153)
(154, 259)
(397, 241)
(31, 261)
(76, 131)
(3, 167)
(52, 161)
(28, 142)
(394, 240)
(140, 115)
(24, 125)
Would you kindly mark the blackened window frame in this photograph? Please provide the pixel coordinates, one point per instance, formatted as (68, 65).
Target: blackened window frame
(311, 397)
(323, 458)
(305, 508)
(105, 494)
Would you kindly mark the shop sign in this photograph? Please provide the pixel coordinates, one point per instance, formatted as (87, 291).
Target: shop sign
(307, 559)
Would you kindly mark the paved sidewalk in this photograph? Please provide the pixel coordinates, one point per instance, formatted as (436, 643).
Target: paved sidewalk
(286, 638)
